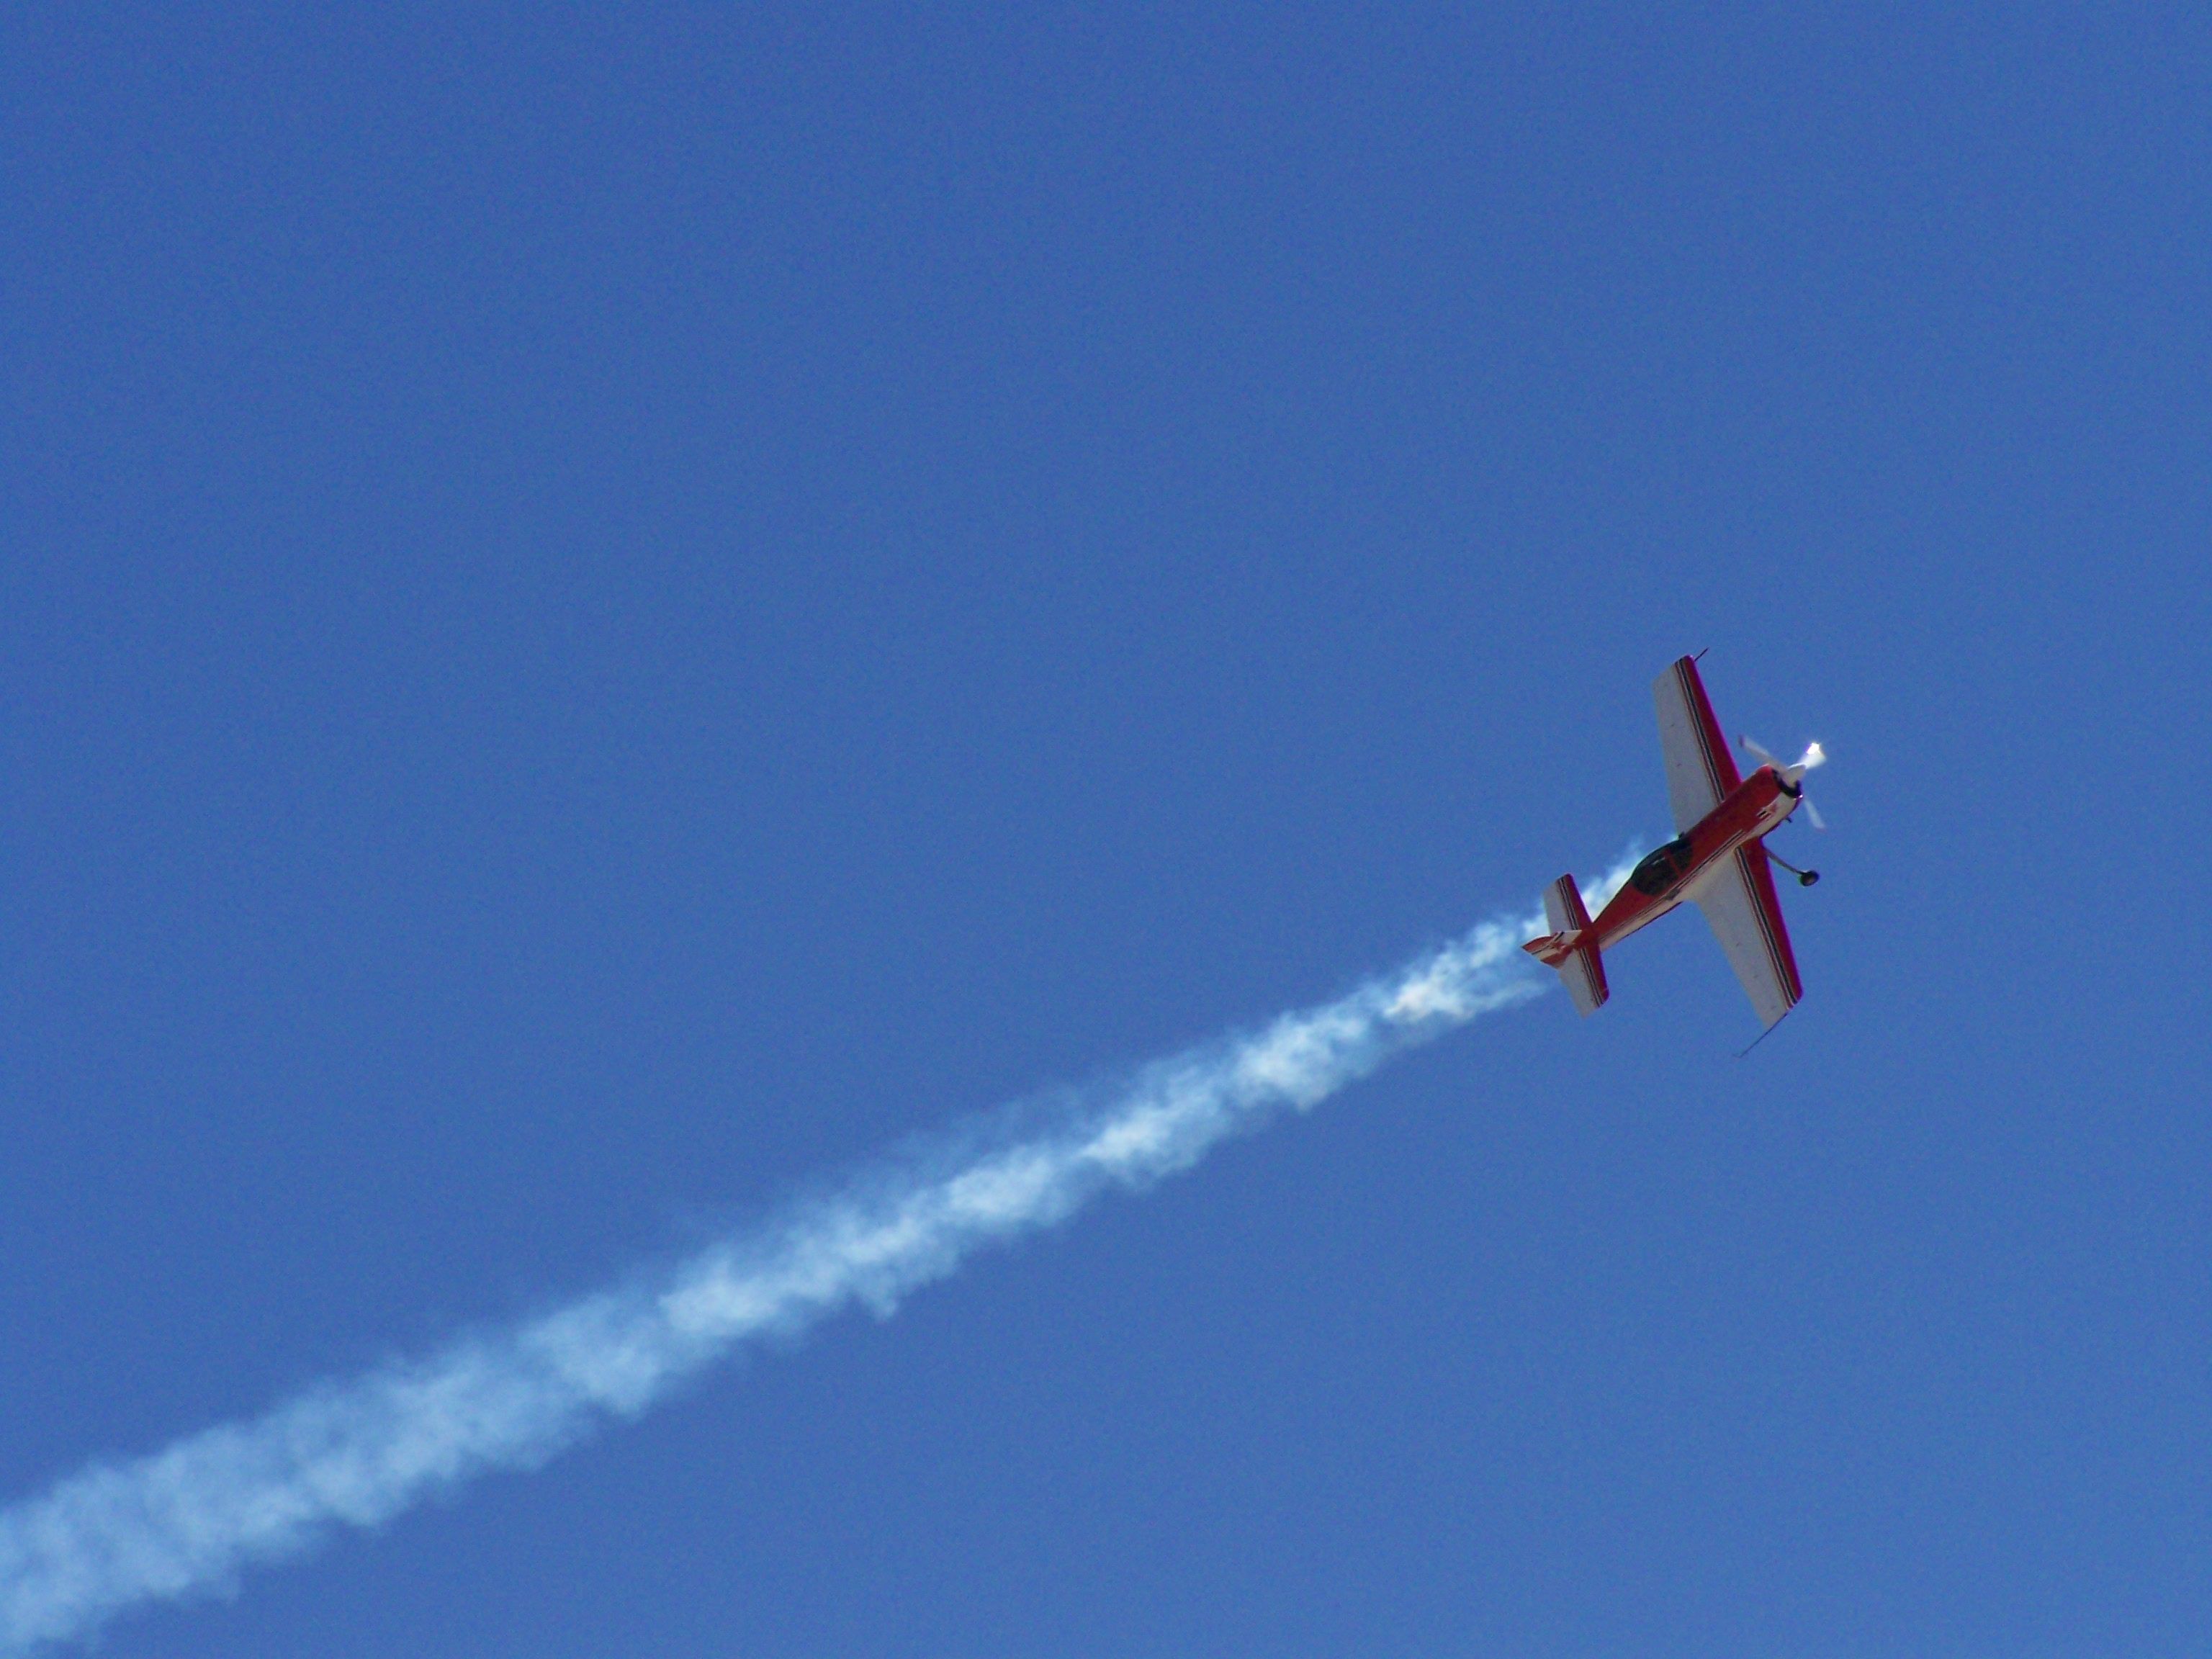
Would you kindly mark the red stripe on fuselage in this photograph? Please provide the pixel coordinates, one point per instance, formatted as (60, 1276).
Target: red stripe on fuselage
(1738, 819)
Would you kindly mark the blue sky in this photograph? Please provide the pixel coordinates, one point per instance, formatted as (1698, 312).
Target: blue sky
(605, 613)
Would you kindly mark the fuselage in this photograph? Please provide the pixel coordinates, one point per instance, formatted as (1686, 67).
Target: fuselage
(1674, 873)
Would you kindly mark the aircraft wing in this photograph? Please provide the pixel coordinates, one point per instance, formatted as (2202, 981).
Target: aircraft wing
(1699, 768)
(1739, 900)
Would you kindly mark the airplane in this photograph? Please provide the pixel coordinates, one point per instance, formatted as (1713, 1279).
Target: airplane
(1717, 862)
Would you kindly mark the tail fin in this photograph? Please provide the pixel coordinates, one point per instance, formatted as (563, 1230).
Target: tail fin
(1568, 947)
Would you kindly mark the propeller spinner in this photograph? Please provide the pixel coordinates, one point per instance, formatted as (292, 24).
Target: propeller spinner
(1813, 757)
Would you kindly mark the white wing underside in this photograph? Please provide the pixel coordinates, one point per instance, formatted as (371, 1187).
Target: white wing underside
(1696, 776)
(1737, 893)
(1738, 900)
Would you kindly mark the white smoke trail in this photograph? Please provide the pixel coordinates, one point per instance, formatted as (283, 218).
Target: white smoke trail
(187, 1520)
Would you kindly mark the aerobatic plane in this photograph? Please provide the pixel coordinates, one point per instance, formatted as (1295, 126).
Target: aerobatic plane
(1717, 862)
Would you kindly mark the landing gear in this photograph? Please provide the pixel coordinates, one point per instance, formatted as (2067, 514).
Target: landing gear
(1805, 878)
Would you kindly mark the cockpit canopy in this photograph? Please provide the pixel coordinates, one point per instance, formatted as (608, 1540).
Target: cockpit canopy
(1662, 868)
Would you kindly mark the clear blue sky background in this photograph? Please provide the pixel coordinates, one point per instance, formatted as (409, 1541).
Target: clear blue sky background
(604, 611)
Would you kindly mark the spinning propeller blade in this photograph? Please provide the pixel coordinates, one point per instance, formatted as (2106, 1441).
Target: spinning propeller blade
(1814, 755)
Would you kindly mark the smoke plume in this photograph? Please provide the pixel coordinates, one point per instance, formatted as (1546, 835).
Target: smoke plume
(189, 1519)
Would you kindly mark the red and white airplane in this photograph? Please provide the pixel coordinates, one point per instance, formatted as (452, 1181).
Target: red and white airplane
(1718, 862)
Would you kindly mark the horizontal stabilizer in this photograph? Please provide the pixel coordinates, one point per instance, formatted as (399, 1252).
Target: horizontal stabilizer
(1569, 948)
(1585, 979)
(1563, 907)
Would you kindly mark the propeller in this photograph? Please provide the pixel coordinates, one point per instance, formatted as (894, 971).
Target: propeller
(1813, 757)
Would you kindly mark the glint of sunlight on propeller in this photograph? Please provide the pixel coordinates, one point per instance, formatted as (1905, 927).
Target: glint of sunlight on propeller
(1794, 773)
